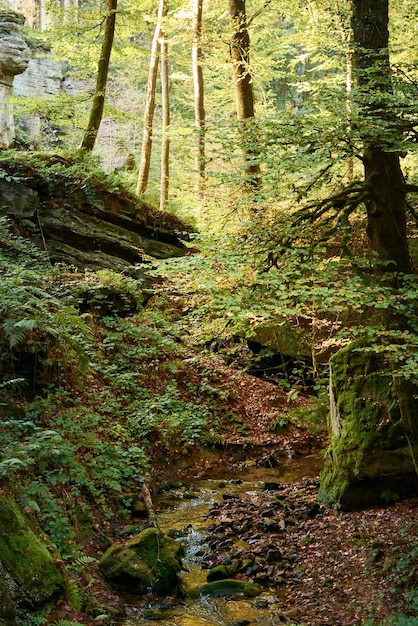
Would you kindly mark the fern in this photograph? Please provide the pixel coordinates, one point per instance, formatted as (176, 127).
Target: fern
(84, 560)
(64, 622)
(16, 331)
(74, 595)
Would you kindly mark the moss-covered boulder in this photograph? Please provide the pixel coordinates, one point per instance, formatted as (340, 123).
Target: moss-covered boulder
(231, 587)
(29, 576)
(220, 572)
(147, 562)
(369, 461)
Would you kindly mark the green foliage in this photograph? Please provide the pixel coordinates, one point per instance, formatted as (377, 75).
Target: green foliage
(119, 397)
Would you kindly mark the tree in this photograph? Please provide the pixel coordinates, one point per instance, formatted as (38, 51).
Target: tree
(145, 160)
(383, 176)
(165, 141)
(96, 113)
(244, 94)
(199, 103)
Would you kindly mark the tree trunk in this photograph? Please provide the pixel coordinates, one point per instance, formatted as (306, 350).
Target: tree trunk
(144, 165)
(386, 217)
(199, 104)
(386, 220)
(165, 141)
(346, 38)
(244, 95)
(96, 113)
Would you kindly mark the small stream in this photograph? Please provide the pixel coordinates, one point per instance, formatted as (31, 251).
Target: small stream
(183, 513)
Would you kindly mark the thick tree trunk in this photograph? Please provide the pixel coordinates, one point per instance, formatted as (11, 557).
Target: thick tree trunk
(96, 113)
(244, 94)
(386, 226)
(165, 141)
(386, 218)
(144, 165)
(199, 103)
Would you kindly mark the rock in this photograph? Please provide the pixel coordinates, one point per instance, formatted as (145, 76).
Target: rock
(274, 556)
(230, 588)
(42, 78)
(138, 507)
(220, 572)
(269, 486)
(29, 576)
(369, 462)
(14, 59)
(82, 223)
(147, 562)
(154, 614)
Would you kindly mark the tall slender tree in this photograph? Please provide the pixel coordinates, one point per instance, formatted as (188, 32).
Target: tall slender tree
(199, 102)
(145, 160)
(96, 112)
(244, 93)
(165, 140)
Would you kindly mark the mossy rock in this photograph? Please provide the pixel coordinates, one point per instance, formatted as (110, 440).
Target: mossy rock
(369, 461)
(147, 562)
(284, 338)
(220, 572)
(230, 587)
(29, 577)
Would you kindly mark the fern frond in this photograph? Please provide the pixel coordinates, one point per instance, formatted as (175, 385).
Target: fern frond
(74, 594)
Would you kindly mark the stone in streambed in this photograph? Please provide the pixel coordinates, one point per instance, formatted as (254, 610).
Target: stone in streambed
(230, 587)
(220, 572)
(149, 561)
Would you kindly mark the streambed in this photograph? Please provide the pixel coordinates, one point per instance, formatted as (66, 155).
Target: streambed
(183, 511)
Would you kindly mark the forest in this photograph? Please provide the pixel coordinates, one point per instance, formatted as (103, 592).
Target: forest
(209, 312)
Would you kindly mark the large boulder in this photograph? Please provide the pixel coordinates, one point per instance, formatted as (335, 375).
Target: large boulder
(369, 460)
(29, 576)
(148, 562)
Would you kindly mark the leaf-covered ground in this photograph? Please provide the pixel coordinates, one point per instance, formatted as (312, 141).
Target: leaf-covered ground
(329, 567)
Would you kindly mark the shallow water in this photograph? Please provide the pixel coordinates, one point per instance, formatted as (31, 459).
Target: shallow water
(187, 519)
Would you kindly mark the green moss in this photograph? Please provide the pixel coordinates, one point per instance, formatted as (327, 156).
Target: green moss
(230, 587)
(26, 557)
(220, 572)
(148, 561)
(368, 456)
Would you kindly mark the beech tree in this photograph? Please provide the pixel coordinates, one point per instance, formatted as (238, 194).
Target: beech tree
(145, 159)
(383, 177)
(165, 140)
(199, 102)
(244, 94)
(96, 113)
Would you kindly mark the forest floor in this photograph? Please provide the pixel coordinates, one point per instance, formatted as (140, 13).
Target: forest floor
(330, 567)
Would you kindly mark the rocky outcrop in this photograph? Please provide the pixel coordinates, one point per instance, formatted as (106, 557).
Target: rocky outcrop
(29, 576)
(149, 562)
(369, 461)
(80, 221)
(43, 78)
(14, 59)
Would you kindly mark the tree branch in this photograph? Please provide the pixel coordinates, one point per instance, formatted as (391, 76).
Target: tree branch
(257, 13)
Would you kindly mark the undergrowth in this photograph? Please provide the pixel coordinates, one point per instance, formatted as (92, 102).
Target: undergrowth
(89, 404)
